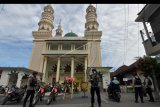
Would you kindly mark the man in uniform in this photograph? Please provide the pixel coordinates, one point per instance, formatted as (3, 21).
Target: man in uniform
(94, 79)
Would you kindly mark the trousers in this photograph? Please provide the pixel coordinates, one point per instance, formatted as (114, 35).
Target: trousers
(138, 92)
(30, 93)
(149, 92)
(97, 90)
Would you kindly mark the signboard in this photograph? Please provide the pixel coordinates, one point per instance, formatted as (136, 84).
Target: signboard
(125, 79)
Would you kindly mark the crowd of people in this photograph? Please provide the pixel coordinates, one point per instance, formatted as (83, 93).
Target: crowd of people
(141, 88)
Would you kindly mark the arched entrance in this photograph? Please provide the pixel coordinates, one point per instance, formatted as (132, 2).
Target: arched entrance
(13, 77)
(24, 80)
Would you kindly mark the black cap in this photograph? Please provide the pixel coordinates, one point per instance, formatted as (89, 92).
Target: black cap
(94, 70)
(34, 73)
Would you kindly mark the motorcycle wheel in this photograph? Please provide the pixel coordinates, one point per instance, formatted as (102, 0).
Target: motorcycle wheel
(5, 101)
(118, 99)
(36, 99)
(19, 100)
(54, 97)
(49, 100)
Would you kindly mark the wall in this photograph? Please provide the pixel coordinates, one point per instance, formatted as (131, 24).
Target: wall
(94, 57)
(4, 78)
(36, 58)
(106, 80)
(155, 24)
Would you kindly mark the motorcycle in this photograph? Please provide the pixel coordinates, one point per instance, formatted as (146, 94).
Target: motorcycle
(114, 94)
(52, 95)
(14, 94)
(2, 89)
(39, 95)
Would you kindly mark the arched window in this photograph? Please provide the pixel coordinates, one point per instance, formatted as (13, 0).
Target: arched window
(67, 68)
(54, 68)
(79, 68)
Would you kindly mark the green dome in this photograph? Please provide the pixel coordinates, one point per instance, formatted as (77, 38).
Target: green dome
(70, 34)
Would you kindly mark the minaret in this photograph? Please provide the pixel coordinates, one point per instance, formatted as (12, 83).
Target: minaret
(91, 19)
(45, 24)
(43, 33)
(93, 36)
(59, 30)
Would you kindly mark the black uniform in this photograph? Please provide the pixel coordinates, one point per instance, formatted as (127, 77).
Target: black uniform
(95, 88)
(31, 85)
(138, 89)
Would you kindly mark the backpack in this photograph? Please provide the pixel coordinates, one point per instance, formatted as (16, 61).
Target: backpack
(149, 81)
(138, 81)
(33, 82)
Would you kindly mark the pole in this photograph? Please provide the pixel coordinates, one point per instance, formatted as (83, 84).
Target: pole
(126, 85)
(72, 90)
(142, 35)
(157, 96)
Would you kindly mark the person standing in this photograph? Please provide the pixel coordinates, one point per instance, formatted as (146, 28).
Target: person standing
(148, 87)
(138, 88)
(31, 85)
(94, 79)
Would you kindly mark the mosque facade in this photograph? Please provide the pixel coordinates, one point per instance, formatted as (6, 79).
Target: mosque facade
(58, 56)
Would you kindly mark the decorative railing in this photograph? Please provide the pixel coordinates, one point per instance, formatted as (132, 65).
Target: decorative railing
(69, 52)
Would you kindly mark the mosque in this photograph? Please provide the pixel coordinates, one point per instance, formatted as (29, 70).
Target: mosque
(58, 56)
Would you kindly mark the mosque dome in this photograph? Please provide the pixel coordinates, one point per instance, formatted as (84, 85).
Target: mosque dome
(70, 34)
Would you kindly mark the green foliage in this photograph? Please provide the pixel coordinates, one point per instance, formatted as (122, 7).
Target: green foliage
(148, 65)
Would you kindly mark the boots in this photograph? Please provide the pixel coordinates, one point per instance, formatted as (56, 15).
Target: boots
(92, 105)
(99, 105)
(24, 105)
(30, 105)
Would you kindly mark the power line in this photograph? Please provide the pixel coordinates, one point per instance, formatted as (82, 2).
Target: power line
(2, 9)
(124, 33)
(138, 33)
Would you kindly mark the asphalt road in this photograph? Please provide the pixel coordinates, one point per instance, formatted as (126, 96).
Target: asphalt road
(127, 100)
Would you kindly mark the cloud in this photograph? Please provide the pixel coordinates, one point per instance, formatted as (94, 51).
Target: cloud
(118, 47)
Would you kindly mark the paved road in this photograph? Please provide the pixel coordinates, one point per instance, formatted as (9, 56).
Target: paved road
(127, 100)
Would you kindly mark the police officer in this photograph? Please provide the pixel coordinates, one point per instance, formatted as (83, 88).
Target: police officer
(148, 86)
(94, 79)
(30, 89)
(138, 88)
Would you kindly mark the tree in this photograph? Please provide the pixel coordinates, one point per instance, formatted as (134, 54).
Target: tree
(147, 64)
(151, 67)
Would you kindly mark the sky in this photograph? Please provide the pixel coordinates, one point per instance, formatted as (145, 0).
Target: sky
(120, 42)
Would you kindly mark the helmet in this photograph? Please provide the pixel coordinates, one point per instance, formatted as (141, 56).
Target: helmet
(30, 75)
(114, 78)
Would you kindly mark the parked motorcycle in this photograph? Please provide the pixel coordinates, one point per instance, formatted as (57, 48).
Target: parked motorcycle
(2, 89)
(14, 94)
(114, 94)
(39, 95)
(52, 95)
